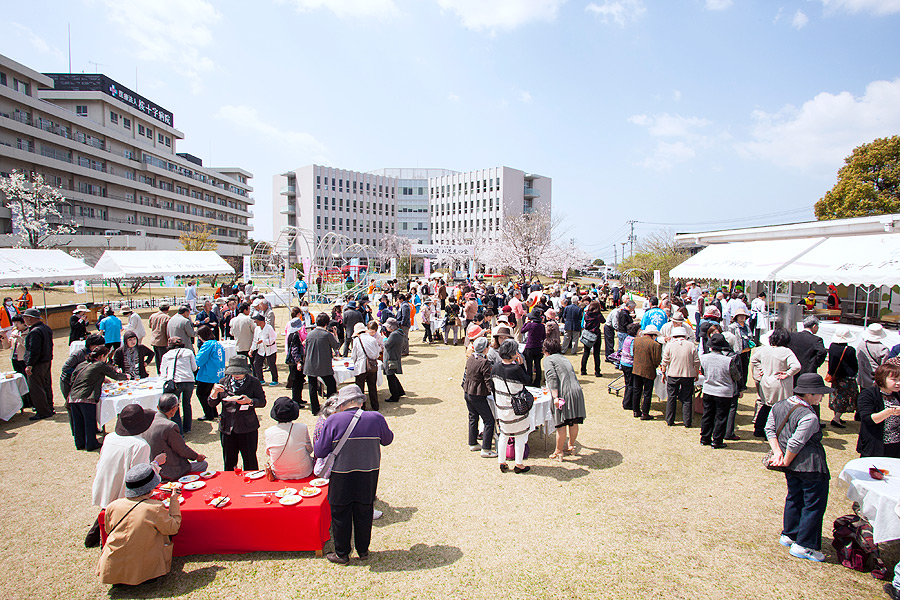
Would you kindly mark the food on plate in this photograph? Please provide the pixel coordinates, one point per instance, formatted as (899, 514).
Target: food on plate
(208, 474)
(288, 491)
(309, 491)
(255, 474)
(189, 478)
(170, 485)
(876, 473)
(320, 482)
(10, 375)
(219, 501)
(194, 485)
(290, 500)
(167, 501)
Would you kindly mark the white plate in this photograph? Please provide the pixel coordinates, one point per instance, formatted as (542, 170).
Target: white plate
(189, 478)
(256, 474)
(290, 500)
(208, 474)
(166, 501)
(320, 482)
(308, 492)
(194, 485)
(220, 502)
(170, 485)
(286, 492)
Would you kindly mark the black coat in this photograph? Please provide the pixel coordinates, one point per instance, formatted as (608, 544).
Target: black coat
(38, 344)
(145, 356)
(233, 419)
(809, 350)
(871, 434)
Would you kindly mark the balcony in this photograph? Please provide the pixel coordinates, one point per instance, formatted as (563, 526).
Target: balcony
(290, 209)
(531, 192)
(288, 190)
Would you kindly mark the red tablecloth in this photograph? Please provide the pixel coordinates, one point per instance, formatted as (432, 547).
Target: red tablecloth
(249, 524)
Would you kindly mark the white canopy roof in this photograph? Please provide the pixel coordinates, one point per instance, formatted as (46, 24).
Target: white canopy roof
(754, 261)
(851, 260)
(125, 264)
(25, 266)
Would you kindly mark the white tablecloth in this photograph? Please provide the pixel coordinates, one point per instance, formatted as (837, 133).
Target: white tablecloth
(878, 499)
(230, 348)
(76, 346)
(541, 414)
(343, 374)
(11, 392)
(279, 297)
(135, 392)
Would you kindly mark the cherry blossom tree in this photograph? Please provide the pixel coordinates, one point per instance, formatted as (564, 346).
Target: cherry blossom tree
(530, 245)
(38, 213)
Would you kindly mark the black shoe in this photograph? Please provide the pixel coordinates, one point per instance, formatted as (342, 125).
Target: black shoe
(584, 373)
(504, 467)
(522, 470)
(705, 443)
(40, 417)
(839, 425)
(338, 560)
(393, 400)
(822, 424)
(598, 374)
(637, 415)
(670, 424)
(646, 417)
(364, 556)
(732, 438)
(204, 418)
(719, 445)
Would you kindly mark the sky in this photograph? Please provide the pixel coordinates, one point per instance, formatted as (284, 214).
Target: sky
(683, 116)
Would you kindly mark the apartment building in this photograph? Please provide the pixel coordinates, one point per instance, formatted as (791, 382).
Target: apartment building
(425, 205)
(113, 154)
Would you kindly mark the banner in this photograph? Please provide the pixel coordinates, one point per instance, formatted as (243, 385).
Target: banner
(169, 281)
(441, 250)
(80, 287)
(427, 268)
(394, 267)
(306, 267)
(247, 275)
(472, 268)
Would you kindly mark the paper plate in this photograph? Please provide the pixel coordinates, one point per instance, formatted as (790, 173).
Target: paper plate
(256, 474)
(220, 502)
(290, 500)
(194, 485)
(189, 478)
(286, 492)
(320, 482)
(167, 501)
(208, 474)
(309, 492)
(170, 485)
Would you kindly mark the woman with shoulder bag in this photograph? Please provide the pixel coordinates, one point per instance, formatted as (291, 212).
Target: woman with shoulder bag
(364, 355)
(288, 447)
(508, 379)
(795, 438)
(178, 365)
(590, 337)
(843, 368)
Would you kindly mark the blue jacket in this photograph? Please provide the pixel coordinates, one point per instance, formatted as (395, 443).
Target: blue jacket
(111, 327)
(655, 315)
(210, 362)
(572, 317)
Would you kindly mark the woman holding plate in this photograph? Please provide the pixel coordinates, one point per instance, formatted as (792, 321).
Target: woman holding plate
(239, 393)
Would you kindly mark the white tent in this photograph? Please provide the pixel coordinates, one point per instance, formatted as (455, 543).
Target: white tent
(852, 260)
(26, 266)
(129, 264)
(753, 261)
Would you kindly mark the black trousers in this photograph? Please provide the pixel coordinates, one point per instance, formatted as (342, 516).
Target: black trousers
(427, 337)
(533, 358)
(715, 416)
(596, 351)
(641, 391)
(680, 389)
(330, 390)
(370, 379)
(296, 379)
(203, 390)
(41, 389)
(609, 338)
(158, 352)
(479, 408)
(84, 425)
(759, 428)
(628, 390)
(354, 519)
(395, 387)
(259, 361)
(243, 443)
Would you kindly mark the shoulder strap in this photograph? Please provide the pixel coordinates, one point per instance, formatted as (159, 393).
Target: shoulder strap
(286, 442)
(109, 532)
(785, 420)
(347, 433)
(838, 366)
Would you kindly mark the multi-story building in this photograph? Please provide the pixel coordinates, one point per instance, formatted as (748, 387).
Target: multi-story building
(113, 154)
(426, 205)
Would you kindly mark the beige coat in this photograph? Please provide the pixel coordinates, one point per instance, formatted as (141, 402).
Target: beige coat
(764, 363)
(139, 547)
(680, 358)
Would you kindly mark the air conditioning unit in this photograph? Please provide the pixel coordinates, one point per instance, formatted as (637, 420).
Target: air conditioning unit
(139, 232)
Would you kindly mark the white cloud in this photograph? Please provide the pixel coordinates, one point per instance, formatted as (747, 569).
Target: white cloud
(800, 20)
(168, 31)
(453, 98)
(525, 97)
(668, 154)
(825, 129)
(489, 15)
(247, 119)
(360, 9)
(619, 12)
(666, 125)
(676, 95)
(718, 4)
(684, 137)
(876, 7)
(36, 41)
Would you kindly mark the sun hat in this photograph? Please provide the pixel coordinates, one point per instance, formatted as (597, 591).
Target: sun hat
(842, 335)
(873, 333)
(358, 329)
(811, 383)
(127, 311)
(536, 315)
(740, 310)
(677, 316)
(501, 330)
(392, 324)
(718, 342)
(474, 331)
(351, 304)
(712, 312)
(80, 309)
(238, 365)
(480, 344)
(33, 313)
(134, 420)
(679, 332)
(220, 300)
(350, 393)
(140, 480)
(285, 410)
(651, 330)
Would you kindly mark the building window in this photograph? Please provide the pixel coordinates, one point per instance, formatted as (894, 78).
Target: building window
(149, 134)
(81, 110)
(140, 129)
(2, 78)
(168, 141)
(113, 117)
(161, 138)
(126, 122)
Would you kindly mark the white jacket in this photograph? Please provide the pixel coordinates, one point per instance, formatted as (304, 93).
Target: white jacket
(118, 454)
(363, 345)
(264, 339)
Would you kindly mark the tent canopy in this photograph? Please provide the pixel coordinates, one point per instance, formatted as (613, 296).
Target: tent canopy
(129, 264)
(850, 260)
(753, 261)
(25, 266)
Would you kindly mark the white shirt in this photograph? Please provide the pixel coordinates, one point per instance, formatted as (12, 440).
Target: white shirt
(365, 346)
(694, 294)
(291, 457)
(136, 325)
(181, 370)
(118, 454)
(264, 340)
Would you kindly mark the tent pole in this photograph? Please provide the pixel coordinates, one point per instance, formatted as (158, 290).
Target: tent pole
(44, 292)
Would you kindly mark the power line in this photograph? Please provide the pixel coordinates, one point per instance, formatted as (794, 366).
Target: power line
(737, 220)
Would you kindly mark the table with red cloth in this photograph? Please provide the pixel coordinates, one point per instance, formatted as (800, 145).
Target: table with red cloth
(249, 524)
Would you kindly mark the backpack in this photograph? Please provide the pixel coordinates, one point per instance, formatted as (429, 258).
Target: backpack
(855, 546)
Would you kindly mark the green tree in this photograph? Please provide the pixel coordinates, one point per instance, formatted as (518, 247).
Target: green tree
(868, 183)
(656, 251)
(598, 262)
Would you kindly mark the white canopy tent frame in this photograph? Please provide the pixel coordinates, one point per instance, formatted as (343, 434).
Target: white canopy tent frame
(25, 266)
(128, 264)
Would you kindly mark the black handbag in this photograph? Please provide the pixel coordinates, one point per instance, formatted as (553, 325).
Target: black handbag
(521, 401)
(169, 386)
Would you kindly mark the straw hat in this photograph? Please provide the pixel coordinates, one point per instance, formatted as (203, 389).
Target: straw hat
(81, 308)
(679, 332)
(874, 333)
(740, 310)
(358, 329)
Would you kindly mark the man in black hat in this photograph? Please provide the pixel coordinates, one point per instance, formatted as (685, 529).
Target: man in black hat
(38, 356)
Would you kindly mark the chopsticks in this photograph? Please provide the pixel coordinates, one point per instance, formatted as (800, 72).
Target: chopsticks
(259, 494)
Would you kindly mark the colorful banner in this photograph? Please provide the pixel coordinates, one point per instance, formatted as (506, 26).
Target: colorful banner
(427, 268)
(394, 267)
(247, 275)
(307, 266)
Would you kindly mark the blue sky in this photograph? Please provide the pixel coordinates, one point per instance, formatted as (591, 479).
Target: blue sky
(689, 115)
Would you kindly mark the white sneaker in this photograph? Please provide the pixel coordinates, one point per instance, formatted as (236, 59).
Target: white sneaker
(488, 454)
(785, 541)
(475, 448)
(377, 514)
(807, 553)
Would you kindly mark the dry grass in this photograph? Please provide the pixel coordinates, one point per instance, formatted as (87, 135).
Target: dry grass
(644, 511)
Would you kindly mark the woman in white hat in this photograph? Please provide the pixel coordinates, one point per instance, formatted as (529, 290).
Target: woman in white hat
(843, 368)
(870, 354)
(78, 324)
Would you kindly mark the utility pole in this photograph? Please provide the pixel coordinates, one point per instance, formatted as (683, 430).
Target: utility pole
(631, 239)
(615, 258)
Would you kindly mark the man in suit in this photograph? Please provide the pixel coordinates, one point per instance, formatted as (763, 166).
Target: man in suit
(180, 326)
(809, 350)
(351, 317)
(164, 437)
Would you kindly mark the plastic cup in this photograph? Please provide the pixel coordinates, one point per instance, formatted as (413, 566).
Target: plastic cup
(268, 499)
(237, 471)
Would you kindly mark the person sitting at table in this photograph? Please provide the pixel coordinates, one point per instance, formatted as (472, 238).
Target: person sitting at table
(138, 546)
(131, 357)
(164, 438)
(354, 475)
(568, 397)
(795, 438)
(879, 413)
(87, 384)
(122, 449)
(288, 447)
(240, 394)
(210, 369)
(179, 365)
(510, 378)
(111, 327)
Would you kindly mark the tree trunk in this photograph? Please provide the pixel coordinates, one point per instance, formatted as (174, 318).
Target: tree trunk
(118, 283)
